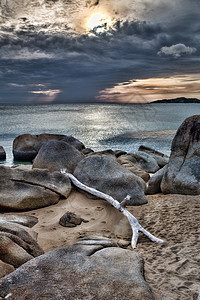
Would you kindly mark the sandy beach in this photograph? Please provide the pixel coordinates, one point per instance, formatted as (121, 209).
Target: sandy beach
(171, 269)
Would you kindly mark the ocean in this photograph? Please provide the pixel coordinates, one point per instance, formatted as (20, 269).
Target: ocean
(98, 126)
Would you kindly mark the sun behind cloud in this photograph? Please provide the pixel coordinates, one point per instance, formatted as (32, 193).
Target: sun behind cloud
(99, 22)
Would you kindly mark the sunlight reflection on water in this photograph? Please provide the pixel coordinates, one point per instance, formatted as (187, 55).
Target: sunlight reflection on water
(98, 126)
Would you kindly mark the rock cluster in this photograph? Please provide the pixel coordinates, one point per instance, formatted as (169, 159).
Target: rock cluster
(182, 173)
(93, 268)
(17, 242)
(26, 146)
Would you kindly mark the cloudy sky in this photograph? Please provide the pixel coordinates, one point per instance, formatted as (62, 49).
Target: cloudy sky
(69, 51)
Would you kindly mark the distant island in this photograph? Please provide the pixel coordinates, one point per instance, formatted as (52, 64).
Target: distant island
(178, 100)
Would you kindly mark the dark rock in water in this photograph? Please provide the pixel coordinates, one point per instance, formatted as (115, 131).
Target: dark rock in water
(161, 158)
(2, 153)
(56, 155)
(26, 146)
(70, 219)
(90, 269)
(24, 220)
(183, 173)
(127, 163)
(155, 182)
(26, 190)
(5, 269)
(16, 244)
(103, 173)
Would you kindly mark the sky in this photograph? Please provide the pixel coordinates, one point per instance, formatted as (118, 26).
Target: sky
(124, 51)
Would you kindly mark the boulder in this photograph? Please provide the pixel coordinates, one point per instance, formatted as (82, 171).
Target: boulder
(70, 219)
(2, 153)
(12, 253)
(93, 268)
(26, 190)
(160, 157)
(56, 155)
(103, 173)
(183, 172)
(5, 269)
(142, 160)
(23, 236)
(155, 182)
(125, 162)
(24, 220)
(17, 244)
(26, 146)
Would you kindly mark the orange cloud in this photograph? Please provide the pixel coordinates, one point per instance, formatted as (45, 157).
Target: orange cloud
(147, 90)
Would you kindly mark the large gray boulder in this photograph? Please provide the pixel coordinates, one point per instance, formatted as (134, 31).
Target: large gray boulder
(26, 146)
(93, 268)
(2, 153)
(103, 173)
(26, 190)
(183, 173)
(161, 158)
(56, 155)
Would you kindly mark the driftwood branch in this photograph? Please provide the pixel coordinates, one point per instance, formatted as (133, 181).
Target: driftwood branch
(135, 226)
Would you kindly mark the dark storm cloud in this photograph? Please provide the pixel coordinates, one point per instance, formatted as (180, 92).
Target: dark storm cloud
(35, 59)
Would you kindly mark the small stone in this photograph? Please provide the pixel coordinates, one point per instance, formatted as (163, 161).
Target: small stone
(123, 243)
(70, 219)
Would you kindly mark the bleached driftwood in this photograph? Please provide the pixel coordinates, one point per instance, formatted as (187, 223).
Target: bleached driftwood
(135, 226)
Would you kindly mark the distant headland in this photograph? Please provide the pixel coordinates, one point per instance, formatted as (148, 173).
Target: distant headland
(178, 100)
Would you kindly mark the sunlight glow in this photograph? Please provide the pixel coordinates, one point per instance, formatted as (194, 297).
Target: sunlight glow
(99, 22)
(150, 89)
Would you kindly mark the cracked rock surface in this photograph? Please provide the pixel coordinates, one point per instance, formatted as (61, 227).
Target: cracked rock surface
(17, 244)
(28, 221)
(93, 268)
(31, 189)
